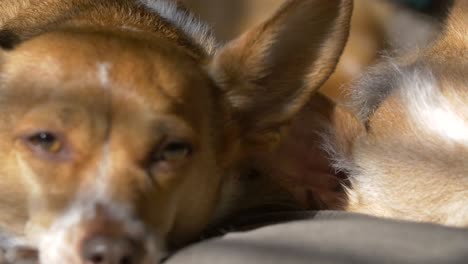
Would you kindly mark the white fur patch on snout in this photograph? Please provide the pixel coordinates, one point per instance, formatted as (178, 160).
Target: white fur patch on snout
(61, 243)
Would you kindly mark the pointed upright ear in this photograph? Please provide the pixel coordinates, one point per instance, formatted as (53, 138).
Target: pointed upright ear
(271, 71)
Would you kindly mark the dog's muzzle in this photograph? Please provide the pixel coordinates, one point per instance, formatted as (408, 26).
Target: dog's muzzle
(100, 234)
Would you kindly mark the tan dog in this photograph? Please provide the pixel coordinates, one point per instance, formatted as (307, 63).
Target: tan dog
(125, 128)
(404, 139)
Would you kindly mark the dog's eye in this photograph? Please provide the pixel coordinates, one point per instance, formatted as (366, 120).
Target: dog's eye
(46, 141)
(175, 151)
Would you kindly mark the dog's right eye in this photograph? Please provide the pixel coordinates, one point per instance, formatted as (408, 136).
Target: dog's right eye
(45, 141)
(175, 151)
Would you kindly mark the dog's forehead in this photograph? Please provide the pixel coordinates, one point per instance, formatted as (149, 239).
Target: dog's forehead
(154, 69)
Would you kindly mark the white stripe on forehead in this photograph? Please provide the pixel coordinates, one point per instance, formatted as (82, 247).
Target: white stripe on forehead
(103, 70)
(431, 111)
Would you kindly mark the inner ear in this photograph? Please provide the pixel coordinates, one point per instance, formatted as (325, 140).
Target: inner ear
(301, 164)
(8, 39)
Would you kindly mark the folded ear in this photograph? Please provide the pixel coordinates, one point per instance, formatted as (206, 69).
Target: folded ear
(271, 71)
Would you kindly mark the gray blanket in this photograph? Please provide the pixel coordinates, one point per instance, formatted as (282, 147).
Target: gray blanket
(328, 237)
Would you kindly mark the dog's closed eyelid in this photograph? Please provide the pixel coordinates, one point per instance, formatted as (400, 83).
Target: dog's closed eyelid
(176, 151)
(167, 158)
(171, 151)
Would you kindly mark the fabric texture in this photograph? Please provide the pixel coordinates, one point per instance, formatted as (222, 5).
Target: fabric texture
(327, 237)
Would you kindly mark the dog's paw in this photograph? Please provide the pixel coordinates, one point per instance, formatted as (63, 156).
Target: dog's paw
(19, 255)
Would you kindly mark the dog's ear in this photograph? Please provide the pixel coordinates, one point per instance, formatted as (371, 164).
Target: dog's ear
(269, 73)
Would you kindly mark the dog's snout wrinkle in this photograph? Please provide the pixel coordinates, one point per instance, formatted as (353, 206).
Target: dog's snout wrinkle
(105, 249)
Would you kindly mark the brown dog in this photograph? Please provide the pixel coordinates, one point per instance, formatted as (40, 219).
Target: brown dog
(403, 141)
(125, 126)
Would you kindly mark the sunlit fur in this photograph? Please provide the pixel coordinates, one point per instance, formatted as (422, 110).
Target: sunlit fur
(403, 139)
(119, 83)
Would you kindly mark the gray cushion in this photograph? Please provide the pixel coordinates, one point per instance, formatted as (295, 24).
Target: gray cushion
(330, 237)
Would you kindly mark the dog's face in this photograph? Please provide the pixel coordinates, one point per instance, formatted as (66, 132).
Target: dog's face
(126, 133)
(115, 143)
(406, 148)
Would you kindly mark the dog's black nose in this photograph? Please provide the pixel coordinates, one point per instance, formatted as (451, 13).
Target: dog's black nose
(101, 249)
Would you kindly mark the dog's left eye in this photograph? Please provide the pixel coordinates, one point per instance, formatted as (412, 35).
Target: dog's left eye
(45, 141)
